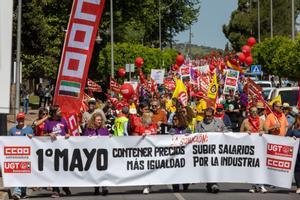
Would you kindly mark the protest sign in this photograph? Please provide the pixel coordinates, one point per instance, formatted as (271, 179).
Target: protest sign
(231, 81)
(151, 160)
(158, 75)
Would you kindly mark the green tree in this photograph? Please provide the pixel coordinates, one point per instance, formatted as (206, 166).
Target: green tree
(279, 56)
(243, 21)
(44, 24)
(126, 53)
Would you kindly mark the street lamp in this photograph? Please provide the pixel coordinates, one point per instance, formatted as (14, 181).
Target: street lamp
(271, 16)
(112, 38)
(293, 19)
(258, 20)
(18, 56)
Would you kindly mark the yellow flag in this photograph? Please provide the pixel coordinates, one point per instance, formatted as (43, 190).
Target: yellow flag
(180, 87)
(213, 88)
(278, 98)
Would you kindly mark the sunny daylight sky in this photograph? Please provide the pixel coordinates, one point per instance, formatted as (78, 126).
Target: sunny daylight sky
(207, 30)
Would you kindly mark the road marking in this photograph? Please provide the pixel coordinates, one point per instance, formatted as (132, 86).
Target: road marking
(176, 194)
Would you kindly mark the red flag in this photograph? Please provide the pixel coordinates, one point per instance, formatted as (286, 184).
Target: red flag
(75, 60)
(114, 85)
(93, 87)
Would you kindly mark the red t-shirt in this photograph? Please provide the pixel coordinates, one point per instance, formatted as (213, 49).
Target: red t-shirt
(39, 130)
(142, 130)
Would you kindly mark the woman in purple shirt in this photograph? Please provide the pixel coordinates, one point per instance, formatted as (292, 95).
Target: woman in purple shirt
(55, 126)
(96, 127)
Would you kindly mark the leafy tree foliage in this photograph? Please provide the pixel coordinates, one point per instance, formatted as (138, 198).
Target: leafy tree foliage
(279, 56)
(243, 21)
(127, 53)
(44, 24)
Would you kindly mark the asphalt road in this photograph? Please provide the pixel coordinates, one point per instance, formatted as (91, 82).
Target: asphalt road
(196, 191)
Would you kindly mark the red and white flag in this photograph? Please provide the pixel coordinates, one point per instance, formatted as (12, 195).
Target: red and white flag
(114, 85)
(93, 87)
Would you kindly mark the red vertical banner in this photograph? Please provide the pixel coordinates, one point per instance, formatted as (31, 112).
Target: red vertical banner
(76, 55)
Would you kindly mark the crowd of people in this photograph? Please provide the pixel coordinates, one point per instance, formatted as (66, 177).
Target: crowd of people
(162, 114)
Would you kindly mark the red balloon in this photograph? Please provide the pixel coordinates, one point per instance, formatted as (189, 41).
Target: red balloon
(242, 57)
(139, 62)
(251, 41)
(127, 90)
(180, 60)
(249, 60)
(246, 49)
(122, 72)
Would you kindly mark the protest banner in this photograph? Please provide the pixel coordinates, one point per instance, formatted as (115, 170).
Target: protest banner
(151, 160)
(231, 81)
(158, 75)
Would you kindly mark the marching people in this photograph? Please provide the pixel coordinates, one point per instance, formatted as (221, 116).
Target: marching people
(231, 108)
(253, 125)
(159, 115)
(96, 127)
(276, 122)
(38, 125)
(55, 126)
(180, 126)
(287, 110)
(295, 132)
(261, 111)
(21, 129)
(91, 110)
(211, 124)
(121, 125)
(220, 114)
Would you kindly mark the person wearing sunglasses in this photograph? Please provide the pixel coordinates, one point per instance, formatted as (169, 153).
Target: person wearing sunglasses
(276, 122)
(253, 123)
(220, 114)
(38, 125)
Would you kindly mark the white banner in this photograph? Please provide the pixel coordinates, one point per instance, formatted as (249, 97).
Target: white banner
(158, 75)
(150, 160)
(6, 14)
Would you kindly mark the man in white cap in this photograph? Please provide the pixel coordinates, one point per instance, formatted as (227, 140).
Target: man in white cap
(92, 109)
(287, 110)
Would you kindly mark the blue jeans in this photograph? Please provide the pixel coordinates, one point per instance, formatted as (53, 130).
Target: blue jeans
(25, 105)
(21, 191)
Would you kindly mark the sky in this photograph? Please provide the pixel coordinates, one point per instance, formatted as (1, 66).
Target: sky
(207, 30)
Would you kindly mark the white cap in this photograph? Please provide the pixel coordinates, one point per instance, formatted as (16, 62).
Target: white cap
(92, 100)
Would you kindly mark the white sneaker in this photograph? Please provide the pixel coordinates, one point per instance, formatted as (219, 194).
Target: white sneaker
(263, 189)
(298, 191)
(146, 190)
(252, 190)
